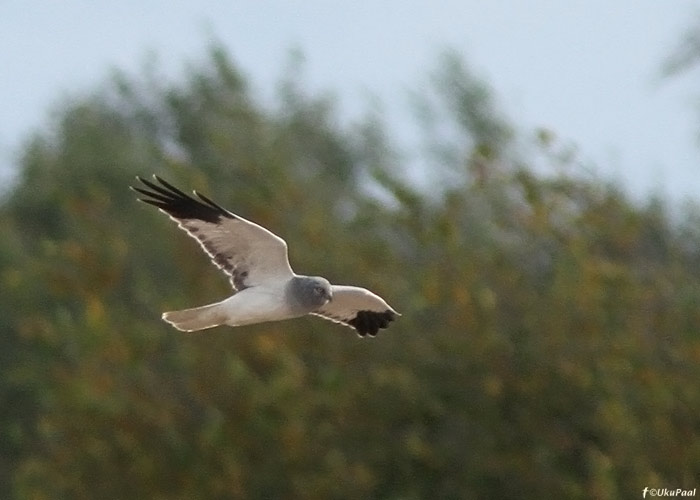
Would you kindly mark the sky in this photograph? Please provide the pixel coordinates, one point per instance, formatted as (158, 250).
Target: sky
(588, 70)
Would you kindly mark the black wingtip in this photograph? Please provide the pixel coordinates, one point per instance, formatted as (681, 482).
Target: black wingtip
(138, 178)
(370, 322)
(209, 202)
(176, 203)
(139, 191)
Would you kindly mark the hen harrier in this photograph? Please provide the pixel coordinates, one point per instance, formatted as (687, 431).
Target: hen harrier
(266, 288)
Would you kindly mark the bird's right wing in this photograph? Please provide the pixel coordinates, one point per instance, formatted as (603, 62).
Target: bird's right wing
(358, 308)
(247, 252)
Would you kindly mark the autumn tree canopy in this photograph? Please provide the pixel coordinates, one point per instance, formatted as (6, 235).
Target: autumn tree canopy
(549, 345)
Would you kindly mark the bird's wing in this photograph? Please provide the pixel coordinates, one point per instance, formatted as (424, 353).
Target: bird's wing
(358, 308)
(247, 252)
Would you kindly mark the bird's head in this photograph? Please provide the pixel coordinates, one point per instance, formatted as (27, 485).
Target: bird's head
(310, 292)
(321, 290)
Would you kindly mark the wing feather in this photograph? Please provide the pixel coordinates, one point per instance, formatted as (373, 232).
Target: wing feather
(358, 308)
(247, 252)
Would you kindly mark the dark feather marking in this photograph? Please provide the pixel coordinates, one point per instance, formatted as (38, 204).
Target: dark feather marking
(171, 188)
(370, 322)
(210, 203)
(238, 279)
(180, 205)
(168, 190)
(154, 195)
(222, 260)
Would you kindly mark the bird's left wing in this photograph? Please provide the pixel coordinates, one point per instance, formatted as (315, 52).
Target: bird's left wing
(358, 308)
(247, 252)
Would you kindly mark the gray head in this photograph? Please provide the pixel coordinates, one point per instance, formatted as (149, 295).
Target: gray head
(308, 293)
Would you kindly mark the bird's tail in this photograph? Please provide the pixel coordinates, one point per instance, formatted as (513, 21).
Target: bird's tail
(197, 318)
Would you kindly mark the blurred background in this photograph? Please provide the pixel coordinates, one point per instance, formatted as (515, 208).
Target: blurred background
(519, 181)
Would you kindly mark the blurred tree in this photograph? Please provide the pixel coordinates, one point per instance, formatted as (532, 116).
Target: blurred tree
(548, 345)
(687, 52)
(686, 55)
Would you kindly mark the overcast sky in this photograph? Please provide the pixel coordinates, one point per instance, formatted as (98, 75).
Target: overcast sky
(586, 69)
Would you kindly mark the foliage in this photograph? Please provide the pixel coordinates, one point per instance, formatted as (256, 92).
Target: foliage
(548, 346)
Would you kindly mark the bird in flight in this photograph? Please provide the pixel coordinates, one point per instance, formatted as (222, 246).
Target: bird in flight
(255, 259)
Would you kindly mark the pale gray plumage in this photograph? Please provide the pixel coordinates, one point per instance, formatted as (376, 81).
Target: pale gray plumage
(266, 288)
(306, 293)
